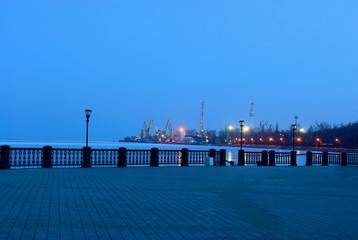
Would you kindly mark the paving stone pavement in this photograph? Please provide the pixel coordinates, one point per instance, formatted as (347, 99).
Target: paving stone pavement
(194, 203)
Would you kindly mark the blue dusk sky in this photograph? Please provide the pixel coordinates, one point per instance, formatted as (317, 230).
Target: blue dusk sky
(132, 61)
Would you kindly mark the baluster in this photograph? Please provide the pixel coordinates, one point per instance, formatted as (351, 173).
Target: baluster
(72, 156)
(14, 153)
(100, 159)
(77, 157)
(129, 157)
(37, 154)
(135, 157)
(111, 153)
(11, 162)
(67, 158)
(23, 158)
(53, 158)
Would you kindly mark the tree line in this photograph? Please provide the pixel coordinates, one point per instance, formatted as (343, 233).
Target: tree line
(321, 134)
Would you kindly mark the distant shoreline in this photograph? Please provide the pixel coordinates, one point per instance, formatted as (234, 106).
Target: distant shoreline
(268, 147)
(79, 144)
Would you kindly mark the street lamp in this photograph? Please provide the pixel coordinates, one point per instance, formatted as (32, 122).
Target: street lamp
(88, 114)
(293, 127)
(242, 123)
(296, 118)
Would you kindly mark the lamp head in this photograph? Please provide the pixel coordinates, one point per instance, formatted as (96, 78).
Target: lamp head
(88, 113)
(242, 123)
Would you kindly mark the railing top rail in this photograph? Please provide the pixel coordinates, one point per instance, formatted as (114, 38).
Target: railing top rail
(104, 150)
(199, 151)
(26, 148)
(139, 150)
(65, 149)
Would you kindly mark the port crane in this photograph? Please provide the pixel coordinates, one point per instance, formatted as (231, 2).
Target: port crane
(151, 132)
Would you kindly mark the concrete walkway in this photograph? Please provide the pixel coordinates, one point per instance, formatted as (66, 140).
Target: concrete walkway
(197, 203)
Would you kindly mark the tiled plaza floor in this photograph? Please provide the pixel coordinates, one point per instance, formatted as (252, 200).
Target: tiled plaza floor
(196, 203)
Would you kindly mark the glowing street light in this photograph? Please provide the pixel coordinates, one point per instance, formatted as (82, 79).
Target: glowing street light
(246, 128)
(230, 127)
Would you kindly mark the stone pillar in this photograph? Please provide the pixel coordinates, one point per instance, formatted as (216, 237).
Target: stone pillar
(184, 157)
(293, 161)
(47, 157)
(272, 156)
(222, 161)
(344, 159)
(324, 158)
(309, 158)
(86, 154)
(5, 157)
(154, 157)
(122, 157)
(241, 158)
(264, 158)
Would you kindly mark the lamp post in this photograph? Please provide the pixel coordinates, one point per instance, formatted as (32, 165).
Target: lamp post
(88, 114)
(293, 127)
(296, 118)
(242, 123)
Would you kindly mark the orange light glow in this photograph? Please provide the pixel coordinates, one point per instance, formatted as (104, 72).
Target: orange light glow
(337, 140)
(271, 139)
(181, 130)
(299, 139)
(281, 139)
(318, 139)
(252, 139)
(261, 139)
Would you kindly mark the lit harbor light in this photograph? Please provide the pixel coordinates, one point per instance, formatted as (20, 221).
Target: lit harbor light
(230, 127)
(246, 128)
(301, 130)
